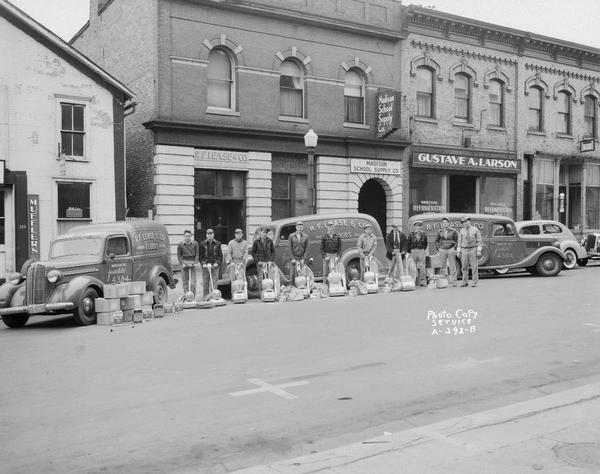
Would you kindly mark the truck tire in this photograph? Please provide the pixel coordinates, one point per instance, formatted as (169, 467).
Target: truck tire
(252, 280)
(352, 267)
(549, 264)
(582, 262)
(570, 259)
(85, 313)
(161, 292)
(15, 320)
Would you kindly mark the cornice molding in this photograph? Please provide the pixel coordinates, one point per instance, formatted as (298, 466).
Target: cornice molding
(562, 72)
(461, 52)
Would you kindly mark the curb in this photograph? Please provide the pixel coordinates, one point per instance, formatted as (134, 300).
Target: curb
(385, 445)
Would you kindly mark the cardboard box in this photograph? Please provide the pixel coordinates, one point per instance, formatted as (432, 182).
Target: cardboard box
(138, 316)
(137, 287)
(118, 317)
(159, 311)
(111, 291)
(148, 298)
(127, 315)
(178, 307)
(104, 319)
(106, 305)
(148, 313)
(131, 302)
(123, 290)
(169, 309)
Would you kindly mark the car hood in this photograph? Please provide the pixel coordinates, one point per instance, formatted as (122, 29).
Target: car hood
(69, 262)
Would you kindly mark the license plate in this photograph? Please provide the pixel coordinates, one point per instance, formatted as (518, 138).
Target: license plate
(36, 308)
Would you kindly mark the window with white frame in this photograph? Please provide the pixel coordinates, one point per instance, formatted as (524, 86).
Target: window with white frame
(564, 112)
(590, 116)
(73, 204)
(221, 83)
(354, 97)
(534, 102)
(291, 89)
(462, 97)
(425, 92)
(72, 129)
(496, 103)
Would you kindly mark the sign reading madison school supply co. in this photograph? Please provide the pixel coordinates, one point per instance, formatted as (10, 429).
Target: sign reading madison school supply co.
(497, 165)
(388, 112)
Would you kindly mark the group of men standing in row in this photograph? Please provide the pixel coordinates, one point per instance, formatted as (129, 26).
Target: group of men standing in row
(465, 245)
(450, 244)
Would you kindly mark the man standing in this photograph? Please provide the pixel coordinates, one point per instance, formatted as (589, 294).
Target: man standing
(188, 254)
(331, 247)
(298, 243)
(446, 242)
(367, 243)
(396, 246)
(238, 252)
(469, 250)
(417, 245)
(263, 251)
(210, 254)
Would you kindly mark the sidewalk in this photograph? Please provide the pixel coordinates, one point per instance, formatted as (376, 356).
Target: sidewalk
(557, 433)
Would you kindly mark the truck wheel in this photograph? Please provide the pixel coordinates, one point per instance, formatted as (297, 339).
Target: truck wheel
(161, 292)
(352, 269)
(501, 271)
(570, 259)
(548, 264)
(85, 314)
(15, 320)
(582, 262)
(252, 280)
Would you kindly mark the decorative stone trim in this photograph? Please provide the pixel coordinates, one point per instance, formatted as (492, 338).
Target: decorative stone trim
(293, 52)
(536, 80)
(496, 73)
(564, 85)
(589, 90)
(463, 67)
(462, 52)
(426, 61)
(222, 41)
(562, 72)
(356, 63)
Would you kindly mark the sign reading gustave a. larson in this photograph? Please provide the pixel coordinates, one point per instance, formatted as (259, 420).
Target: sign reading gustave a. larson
(430, 160)
(33, 218)
(224, 159)
(375, 166)
(388, 112)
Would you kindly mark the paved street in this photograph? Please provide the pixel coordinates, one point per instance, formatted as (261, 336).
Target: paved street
(224, 389)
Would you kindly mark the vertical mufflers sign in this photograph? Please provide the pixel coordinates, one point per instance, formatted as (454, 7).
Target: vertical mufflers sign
(388, 112)
(33, 217)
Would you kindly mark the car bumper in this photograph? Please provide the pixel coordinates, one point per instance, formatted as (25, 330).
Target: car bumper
(37, 308)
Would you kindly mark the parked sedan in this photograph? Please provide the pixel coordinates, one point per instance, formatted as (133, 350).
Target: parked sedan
(575, 253)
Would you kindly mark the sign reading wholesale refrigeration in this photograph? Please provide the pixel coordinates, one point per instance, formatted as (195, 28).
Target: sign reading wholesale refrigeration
(33, 218)
(223, 159)
(388, 112)
(497, 165)
(374, 166)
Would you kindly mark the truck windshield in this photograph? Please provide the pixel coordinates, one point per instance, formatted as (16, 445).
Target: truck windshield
(90, 246)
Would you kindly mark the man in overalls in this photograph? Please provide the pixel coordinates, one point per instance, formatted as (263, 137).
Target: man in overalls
(469, 250)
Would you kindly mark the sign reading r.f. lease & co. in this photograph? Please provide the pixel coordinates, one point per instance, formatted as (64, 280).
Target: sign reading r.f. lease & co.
(388, 112)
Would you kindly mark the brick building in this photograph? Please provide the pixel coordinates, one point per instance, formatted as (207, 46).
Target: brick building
(496, 116)
(61, 140)
(226, 92)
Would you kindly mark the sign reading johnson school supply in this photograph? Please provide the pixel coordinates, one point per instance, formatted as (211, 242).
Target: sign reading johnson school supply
(495, 165)
(388, 112)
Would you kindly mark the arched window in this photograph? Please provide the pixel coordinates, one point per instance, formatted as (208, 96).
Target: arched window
(424, 92)
(496, 103)
(221, 90)
(291, 88)
(564, 112)
(462, 97)
(590, 116)
(354, 97)
(534, 102)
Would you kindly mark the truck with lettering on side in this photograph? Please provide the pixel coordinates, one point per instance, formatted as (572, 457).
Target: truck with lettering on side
(80, 263)
(348, 226)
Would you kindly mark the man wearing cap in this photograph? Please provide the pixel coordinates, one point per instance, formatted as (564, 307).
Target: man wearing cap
(469, 250)
(188, 254)
(298, 243)
(331, 247)
(396, 246)
(417, 245)
(210, 254)
(367, 243)
(446, 242)
(263, 251)
(238, 252)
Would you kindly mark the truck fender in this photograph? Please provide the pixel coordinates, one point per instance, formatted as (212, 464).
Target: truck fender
(73, 290)
(533, 258)
(17, 297)
(155, 273)
(7, 292)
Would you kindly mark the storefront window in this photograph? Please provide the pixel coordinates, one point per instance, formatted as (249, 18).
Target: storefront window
(544, 189)
(290, 195)
(73, 205)
(426, 193)
(574, 197)
(497, 196)
(592, 197)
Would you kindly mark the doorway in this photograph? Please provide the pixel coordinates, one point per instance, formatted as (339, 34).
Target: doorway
(223, 216)
(462, 193)
(372, 201)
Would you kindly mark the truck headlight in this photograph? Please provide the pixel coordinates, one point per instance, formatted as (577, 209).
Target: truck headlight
(54, 276)
(14, 278)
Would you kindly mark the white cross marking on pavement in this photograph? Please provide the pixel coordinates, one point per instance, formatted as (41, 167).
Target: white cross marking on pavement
(275, 389)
